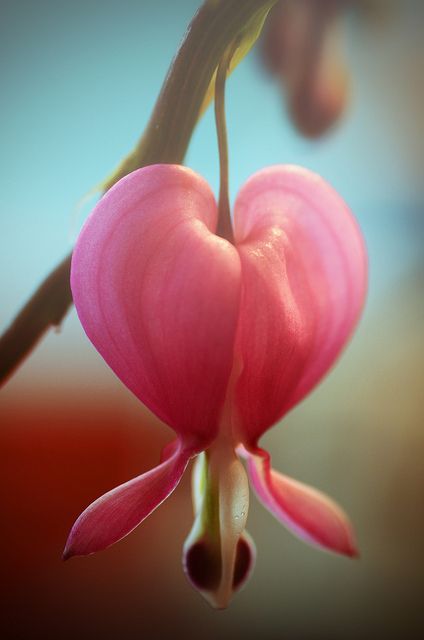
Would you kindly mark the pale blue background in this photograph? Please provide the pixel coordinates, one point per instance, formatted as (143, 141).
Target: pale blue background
(78, 84)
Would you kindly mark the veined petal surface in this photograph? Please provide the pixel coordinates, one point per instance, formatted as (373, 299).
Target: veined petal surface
(158, 295)
(115, 514)
(303, 287)
(306, 512)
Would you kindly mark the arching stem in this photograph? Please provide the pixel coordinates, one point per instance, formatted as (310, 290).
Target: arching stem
(224, 228)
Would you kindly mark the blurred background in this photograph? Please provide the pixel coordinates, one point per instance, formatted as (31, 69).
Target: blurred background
(78, 83)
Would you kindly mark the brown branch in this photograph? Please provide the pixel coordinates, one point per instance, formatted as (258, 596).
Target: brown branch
(46, 308)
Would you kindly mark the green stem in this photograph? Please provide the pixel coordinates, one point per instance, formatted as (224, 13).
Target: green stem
(224, 228)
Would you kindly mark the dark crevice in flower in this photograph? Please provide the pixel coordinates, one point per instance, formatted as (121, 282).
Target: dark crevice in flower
(203, 566)
(242, 564)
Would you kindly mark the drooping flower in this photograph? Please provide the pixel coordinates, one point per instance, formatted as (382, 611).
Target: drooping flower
(219, 341)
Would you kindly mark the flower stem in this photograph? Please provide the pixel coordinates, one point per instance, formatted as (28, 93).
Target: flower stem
(224, 228)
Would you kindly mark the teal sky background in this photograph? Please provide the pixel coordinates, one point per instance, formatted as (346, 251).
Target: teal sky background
(78, 84)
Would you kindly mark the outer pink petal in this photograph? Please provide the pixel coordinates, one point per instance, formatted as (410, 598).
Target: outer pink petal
(118, 512)
(158, 295)
(303, 287)
(308, 513)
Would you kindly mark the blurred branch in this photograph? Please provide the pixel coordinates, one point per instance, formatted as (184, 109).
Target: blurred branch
(46, 308)
(183, 97)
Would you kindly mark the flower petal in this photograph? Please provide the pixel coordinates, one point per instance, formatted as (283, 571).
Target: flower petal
(303, 287)
(115, 514)
(158, 295)
(219, 555)
(308, 513)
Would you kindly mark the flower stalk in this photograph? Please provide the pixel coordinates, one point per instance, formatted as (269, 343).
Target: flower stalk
(224, 228)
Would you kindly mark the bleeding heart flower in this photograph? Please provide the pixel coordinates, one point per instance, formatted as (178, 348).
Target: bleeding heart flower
(219, 341)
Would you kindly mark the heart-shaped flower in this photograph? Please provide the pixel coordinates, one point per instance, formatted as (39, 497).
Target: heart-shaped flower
(219, 341)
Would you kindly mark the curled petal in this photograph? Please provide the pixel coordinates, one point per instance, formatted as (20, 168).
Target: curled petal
(115, 514)
(308, 513)
(158, 295)
(303, 287)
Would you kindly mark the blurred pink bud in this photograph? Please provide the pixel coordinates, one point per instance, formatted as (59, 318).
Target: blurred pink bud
(220, 341)
(302, 46)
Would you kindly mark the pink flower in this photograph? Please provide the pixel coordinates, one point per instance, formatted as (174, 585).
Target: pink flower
(219, 341)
